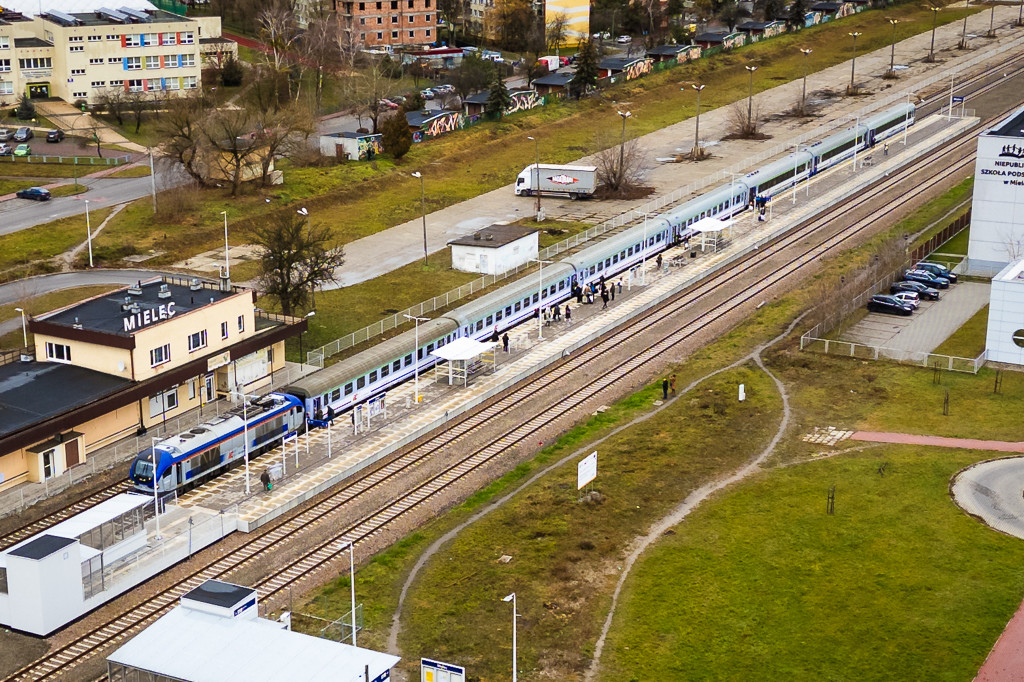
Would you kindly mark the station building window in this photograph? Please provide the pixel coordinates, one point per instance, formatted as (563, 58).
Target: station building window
(197, 341)
(223, 330)
(58, 352)
(241, 323)
(159, 356)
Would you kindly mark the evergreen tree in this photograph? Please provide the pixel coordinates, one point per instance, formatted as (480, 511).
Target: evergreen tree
(498, 99)
(797, 12)
(231, 73)
(396, 135)
(26, 110)
(585, 77)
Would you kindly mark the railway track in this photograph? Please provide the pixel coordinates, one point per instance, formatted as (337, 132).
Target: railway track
(117, 629)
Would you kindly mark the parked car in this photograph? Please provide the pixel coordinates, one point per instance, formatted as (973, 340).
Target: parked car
(23, 134)
(427, 94)
(397, 99)
(22, 150)
(926, 277)
(6, 134)
(35, 193)
(55, 135)
(387, 104)
(908, 297)
(883, 303)
(622, 40)
(5, 149)
(937, 269)
(922, 290)
(564, 61)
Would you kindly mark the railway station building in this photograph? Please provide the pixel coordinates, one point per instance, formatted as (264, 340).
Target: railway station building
(117, 364)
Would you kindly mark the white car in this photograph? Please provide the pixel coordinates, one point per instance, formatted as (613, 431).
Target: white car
(623, 39)
(908, 298)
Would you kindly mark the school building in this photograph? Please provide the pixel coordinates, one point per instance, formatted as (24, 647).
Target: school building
(116, 364)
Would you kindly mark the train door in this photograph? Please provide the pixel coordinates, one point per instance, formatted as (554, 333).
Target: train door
(752, 197)
(871, 138)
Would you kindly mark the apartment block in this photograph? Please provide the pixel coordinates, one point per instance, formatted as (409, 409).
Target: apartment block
(396, 23)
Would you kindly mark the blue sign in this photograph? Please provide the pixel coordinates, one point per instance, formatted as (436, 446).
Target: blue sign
(958, 99)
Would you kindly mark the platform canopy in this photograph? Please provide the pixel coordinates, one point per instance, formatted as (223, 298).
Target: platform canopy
(463, 348)
(711, 225)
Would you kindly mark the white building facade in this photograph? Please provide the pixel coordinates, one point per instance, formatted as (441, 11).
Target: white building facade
(1004, 341)
(495, 249)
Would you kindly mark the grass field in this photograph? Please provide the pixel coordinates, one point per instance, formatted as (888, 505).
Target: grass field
(46, 240)
(131, 172)
(899, 584)
(969, 340)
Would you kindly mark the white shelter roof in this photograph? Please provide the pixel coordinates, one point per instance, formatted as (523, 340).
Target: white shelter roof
(221, 649)
(35, 7)
(462, 348)
(711, 225)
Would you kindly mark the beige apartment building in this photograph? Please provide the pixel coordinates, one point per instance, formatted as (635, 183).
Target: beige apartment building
(78, 56)
(117, 364)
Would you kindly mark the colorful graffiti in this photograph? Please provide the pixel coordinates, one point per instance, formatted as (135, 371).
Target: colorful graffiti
(370, 146)
(688, 54)
(734, 40)
(447, 122)
(845, 10)
(774, 29)
(524, 100)
(639, 68)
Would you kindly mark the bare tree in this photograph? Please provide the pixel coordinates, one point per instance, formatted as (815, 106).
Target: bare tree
(319, 55)
(363, 91)
(345, 42)
(279, 31)
(138, 103)
(621, 168)
(182, 131)
(557, 29)
(233, 143)
(745, 121)
(285, 131)
(112, 100)
(1014, 245)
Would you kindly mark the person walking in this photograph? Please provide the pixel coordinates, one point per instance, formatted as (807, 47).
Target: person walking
(265, 480)
(504, 341)
(604, 297)
(672, 384)
(494, 336)
(330, 415)
(885, 149)
(664, 389)
(568, 314)
(613, 291)
(658, 261)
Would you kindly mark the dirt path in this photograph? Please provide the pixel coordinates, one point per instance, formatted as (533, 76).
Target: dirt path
(642, 543)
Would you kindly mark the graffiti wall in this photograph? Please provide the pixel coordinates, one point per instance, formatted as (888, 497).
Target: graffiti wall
(370, 147)
(447, 122)
(638, 69)
(524, 100)
(734, 40)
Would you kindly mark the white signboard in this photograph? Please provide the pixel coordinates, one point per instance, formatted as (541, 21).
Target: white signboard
(436, 671)
(586, 470)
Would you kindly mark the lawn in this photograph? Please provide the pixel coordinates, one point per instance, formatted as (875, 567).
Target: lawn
(15, 167)
(10, 186)
(899, 584)
(68, 190)
(969, 340)
(933, 217)
(130, 172)
(958, 244)
(45, 241)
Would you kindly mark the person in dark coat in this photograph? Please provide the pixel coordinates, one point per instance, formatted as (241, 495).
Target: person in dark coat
(504, 341)
(604, 297)
(659, 261)
(664, 389)
(330, 415)
(265, 480)
(579, 294)
(568, 313)
(494, 336)
(613, 291)
(620, 285)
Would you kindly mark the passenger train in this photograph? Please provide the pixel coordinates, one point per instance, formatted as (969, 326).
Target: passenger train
(375, 370)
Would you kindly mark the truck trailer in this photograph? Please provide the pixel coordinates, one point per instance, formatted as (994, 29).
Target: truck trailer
(576, 181)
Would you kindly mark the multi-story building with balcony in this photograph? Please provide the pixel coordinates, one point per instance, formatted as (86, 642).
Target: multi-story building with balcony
(77, 56)
(395, 23)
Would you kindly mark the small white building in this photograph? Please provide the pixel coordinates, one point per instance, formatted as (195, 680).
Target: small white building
(997, 214)
(1005, 339)
(220, 638)
(352, 146)
(495, 249)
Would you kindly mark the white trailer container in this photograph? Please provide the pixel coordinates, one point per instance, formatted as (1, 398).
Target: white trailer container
(551, 62)
(576, 181)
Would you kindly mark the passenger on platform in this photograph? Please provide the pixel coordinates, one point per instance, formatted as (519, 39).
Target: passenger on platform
(658, 261)
(494, 336)
(590, 294)
(318, 415)
(604, 297)
(672, 384)
(579, 294)
(620, 285)
(613, 291)
(330, 415)
(265, 480)
(556, 311)
(568, 313)
(885, 149)
(504, 341)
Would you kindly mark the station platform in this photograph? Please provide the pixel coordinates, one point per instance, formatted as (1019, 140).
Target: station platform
(322, 458)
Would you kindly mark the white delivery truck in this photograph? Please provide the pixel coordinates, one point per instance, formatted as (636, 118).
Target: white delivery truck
(576, 181)
(551, 62)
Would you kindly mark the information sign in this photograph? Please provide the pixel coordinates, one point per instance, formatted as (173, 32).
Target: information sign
(586, 470)
(958, 99)
(436, 671)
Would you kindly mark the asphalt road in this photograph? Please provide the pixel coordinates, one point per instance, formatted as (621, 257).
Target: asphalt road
(22, 289)
(20, 214)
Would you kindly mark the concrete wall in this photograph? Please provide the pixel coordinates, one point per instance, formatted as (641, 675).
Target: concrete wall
(493, 261)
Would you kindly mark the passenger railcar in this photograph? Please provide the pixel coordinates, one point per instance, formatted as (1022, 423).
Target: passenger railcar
(187, 459)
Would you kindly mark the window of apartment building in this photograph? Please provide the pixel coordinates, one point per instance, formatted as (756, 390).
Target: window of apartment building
(95, 39)
(362, 7)
(132, 40)
(427, 33)
(35, 63)
(77, 72)
(187, 38)
(189, 83)
(133, 63)
(380, 35)
(114, 60)
(412, 34)
(134, 85)
(379, 5)
(76, 48)
(410, 4)
(380, 20)
(171, 61)
(154, 84)
(168, 38)
(173, 84)
(427, 18)
(81, 95)
(394, 4)
(75, 39)
(5, 65)
(96, 60)
(426, 4)
(394, 35)
(186, 60)
(241, 323)
(99, 84)
(197, 341)
(153, 62)
(151, 38)
(5, 42)
(362, 21)
(412, 18)
(223, 330)
(362, 36)
(394, 18)
(159, 356)
(113, 36)
(58, 352)
(6, 87)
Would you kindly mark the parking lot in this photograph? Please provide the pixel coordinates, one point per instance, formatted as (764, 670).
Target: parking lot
(931, 324)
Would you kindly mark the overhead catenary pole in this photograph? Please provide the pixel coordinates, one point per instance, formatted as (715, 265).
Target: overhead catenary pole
(423, 211)
(415, 355)
(536, 165)
(853, 62)
(352, 585)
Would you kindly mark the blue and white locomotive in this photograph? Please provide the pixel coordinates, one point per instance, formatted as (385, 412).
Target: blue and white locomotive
(185, 460)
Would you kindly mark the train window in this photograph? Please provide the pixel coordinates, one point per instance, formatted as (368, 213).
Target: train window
(396, 365)
(508, 310)
(607, 262)
(629, 251)
(526, 302)
(517, 306)
(592, 270)
(561, 285)
(490, 320)
(498, 315)
(408, 360)
(535, 298)
(703, 214)
(430, 348)
(479, 325)
(336, 394)
(360, 382)
(615, 258)
(385, 370)
(440, 342)
(600, 266)
(419, 353)
(373, 376)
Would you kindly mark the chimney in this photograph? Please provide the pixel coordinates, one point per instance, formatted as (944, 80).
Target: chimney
(194, 284)
(127, 303)
(164, 292)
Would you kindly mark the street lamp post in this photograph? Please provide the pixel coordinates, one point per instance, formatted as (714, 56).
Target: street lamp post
(622, 145)
(853, 62)
(512, 598)
(536, 166)
(415, 355)
(352, 582)
(750, 98)
(227, 261)
(935, 23)
(24, 329)
(696, 133)
(540, 297)
(423, 210)
(892, 53)
(75, 164)
(803, 98)
(88, 231)
(963, 31)
(992, 22)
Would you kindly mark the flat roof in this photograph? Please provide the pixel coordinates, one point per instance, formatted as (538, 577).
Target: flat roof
(104, 313)
(156, 16)
(619, 63)
(494, 236)
(1012, 126)
(221, 649)
(463, 348)
(218, 593)
(41, 547)
(557, 78)
(31, 42)
(1014, 272)
(31, 392)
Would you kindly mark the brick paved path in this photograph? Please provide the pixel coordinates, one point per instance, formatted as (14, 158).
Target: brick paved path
(938, 441)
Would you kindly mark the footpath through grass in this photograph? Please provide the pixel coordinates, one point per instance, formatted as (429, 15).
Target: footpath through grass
(899, 584)
(45, 241)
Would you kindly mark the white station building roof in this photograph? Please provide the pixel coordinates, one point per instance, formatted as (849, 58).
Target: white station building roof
(711, 225)
(462, 348)
(219, 649)
(31, 8)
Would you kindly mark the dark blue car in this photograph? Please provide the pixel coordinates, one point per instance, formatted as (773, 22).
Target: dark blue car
(926, 278)
(937, 269)
(36, 193)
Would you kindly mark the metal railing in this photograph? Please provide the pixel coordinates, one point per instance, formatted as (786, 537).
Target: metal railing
(864, 351)
(73, 160)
